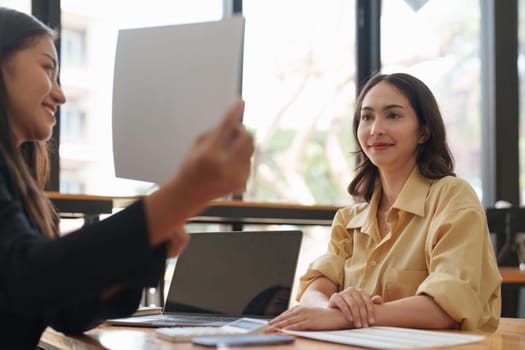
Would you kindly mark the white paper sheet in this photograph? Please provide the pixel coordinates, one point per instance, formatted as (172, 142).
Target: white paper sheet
(171, 83)
(391, 337)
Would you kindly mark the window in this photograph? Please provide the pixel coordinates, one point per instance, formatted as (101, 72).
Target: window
(298, 83)
(89, 34)
(299, 88)
(72, 123)
(73, 46)
(438, 41)
(73, 182)
(20, 5)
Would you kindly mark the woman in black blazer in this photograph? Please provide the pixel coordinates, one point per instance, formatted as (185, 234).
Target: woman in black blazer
(74, 282)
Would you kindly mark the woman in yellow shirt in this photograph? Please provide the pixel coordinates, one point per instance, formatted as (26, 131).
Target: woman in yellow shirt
(415, 250)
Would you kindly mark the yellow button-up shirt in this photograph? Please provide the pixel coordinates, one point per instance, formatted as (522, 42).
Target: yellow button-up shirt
(438, 244)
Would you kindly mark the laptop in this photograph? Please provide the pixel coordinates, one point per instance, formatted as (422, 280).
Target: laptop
(223, 276)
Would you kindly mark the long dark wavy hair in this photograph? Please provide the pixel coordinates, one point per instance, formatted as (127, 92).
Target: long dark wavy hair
(27, 163)
(433, 157)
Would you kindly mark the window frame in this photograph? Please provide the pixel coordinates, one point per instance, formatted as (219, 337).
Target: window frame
(500, 155)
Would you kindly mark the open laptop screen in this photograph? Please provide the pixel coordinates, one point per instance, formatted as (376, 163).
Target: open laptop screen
(248, 273)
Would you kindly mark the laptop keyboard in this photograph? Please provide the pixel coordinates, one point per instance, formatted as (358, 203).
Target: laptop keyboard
(194, 319)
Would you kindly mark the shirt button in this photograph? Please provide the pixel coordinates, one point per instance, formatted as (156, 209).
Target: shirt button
(373, 263)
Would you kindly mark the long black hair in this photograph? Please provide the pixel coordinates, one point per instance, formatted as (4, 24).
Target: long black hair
(28, 163)
(434, 158)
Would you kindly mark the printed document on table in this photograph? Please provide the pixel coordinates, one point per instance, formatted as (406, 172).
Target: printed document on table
(390, 337)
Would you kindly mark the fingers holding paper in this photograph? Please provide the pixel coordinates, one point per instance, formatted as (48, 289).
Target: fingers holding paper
(234, 146)
(177, 242)
(217, 164)
(220, 160)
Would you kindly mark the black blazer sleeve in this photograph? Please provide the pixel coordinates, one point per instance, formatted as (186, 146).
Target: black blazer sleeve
(55, 279)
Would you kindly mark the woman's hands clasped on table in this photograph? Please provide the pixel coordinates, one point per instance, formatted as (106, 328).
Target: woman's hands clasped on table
(350, 308)
(356, 305)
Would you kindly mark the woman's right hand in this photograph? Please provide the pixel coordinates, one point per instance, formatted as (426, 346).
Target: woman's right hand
(356, 305)
(178, 241)
(220, 160)
(217, 164)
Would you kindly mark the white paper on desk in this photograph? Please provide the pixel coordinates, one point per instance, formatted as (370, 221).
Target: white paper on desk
(171, 83)
(391, 337)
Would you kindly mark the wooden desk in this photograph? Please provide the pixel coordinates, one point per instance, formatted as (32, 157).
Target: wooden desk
(512, 275)
(510, 336)
(220, 211)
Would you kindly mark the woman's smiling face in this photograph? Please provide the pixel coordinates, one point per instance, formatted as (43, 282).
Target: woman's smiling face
(33, 93)
(389, 131)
